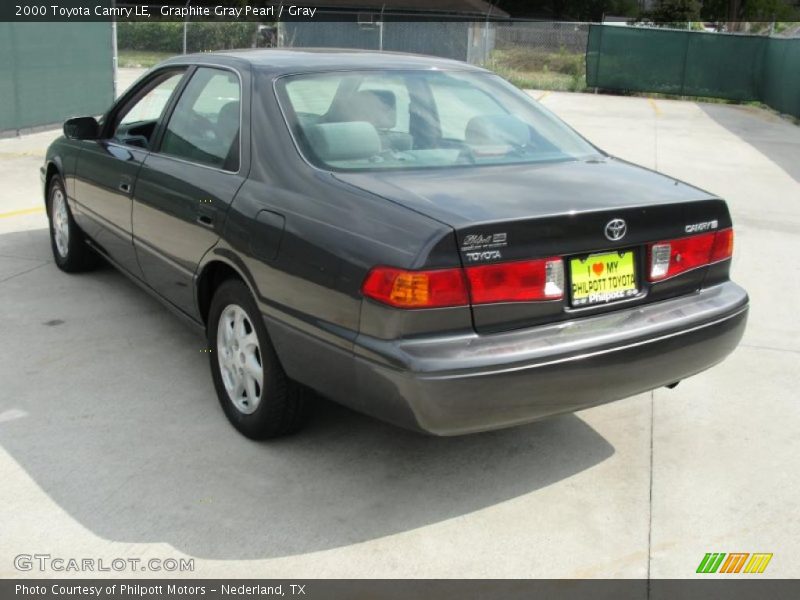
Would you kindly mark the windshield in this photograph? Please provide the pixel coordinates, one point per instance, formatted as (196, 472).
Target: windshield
(367, 120)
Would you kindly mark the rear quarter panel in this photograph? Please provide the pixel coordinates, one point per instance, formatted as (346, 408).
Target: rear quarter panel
(305, 241)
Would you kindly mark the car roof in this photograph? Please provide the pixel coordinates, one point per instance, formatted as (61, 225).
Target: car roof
(298, 60)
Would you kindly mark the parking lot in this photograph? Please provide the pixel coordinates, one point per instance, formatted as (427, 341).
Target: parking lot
(112, 442)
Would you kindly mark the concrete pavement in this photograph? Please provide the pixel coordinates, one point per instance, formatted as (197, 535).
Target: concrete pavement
(112, 443)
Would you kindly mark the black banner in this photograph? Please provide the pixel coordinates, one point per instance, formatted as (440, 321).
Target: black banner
(407, 10)
(247, 10)
(387, 589)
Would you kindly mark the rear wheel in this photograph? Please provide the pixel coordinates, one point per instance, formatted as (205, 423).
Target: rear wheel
(70, 251)
(255, 393)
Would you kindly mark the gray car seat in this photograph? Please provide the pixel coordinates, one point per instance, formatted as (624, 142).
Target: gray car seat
(378, 107)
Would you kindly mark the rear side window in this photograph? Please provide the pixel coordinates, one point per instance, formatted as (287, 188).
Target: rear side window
(204, 127)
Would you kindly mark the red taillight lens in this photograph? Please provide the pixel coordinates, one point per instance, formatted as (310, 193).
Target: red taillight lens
(416, 289)
(516, 281)
(723, 245)
(503, 282)
(674, 257)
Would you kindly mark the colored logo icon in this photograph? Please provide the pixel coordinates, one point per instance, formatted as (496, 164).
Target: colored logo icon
(734, 562)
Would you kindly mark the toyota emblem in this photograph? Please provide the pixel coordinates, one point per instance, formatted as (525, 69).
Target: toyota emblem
(616, 229)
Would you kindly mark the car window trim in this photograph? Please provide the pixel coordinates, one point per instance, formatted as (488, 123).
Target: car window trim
(159, 137)
(161, 126)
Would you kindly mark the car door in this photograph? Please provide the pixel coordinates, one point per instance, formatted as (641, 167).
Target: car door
(186, 185)
(107, 168)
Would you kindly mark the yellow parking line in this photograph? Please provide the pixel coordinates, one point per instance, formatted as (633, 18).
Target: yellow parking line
(37, 153)
(543, 96)
(654, 106)
(22, 211)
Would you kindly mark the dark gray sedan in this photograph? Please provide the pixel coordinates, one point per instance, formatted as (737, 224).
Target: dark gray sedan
(412, 237)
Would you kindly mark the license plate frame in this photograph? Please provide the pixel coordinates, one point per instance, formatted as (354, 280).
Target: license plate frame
(591, 286)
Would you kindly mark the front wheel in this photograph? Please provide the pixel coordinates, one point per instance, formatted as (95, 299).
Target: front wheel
(70, 251)
(255, 393)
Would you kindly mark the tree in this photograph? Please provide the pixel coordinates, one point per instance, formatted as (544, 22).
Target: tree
(677, 14)
(750, 10)
(577, 10)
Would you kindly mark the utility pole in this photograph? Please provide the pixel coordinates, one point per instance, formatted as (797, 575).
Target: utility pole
(186, 25)
(114, 52)
(380, 30)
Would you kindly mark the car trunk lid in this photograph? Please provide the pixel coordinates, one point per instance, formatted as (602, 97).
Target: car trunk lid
(563, 209)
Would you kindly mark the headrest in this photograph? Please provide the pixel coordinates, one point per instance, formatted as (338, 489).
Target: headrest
(378, 107)
(348, 140)
(229, 115)
(497, 129)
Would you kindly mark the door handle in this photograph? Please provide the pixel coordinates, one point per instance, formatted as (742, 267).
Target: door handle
(205, 221)
(206, 213)
(125, 187)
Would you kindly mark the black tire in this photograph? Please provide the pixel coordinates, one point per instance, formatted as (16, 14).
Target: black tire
(281, 403)
(77, 255)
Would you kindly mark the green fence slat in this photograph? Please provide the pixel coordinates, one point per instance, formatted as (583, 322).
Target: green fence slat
(692, 63)
(52, 71)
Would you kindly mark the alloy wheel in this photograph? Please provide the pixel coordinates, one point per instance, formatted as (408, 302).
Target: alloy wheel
(60, 222)
(239, 356)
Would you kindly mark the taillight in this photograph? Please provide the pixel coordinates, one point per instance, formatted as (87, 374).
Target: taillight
(674, 257)
(516, 281)
(723, 245)
(416, 289)
(519, 281)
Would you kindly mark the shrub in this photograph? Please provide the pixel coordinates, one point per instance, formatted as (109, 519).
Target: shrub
(522, 58)
(537, 68)
(200, 36)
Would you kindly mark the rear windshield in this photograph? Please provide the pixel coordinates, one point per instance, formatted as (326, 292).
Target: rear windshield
(365, 120)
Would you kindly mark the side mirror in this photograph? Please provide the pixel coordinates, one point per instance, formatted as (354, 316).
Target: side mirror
(82, 128)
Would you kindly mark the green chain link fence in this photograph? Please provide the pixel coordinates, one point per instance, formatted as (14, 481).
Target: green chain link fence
(692, 63)
(52, 71)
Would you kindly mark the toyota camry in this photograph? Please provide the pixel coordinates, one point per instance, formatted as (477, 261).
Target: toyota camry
(412, 237)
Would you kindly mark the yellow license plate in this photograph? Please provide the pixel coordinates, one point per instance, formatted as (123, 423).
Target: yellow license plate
(602, 278)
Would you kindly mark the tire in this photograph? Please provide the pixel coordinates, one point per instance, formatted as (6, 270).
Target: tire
(70, 250)
(241, 351)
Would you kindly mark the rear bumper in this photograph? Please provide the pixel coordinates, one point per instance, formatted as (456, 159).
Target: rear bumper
(467, 383)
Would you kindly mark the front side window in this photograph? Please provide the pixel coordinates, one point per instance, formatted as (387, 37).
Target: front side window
(135, 123)
(204, 127)
(420, 119)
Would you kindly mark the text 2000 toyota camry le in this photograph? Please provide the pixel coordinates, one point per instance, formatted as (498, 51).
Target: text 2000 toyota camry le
(412, 237)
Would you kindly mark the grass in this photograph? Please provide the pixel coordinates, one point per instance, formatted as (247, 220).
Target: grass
(562, 71)
(141, 58)
(539, 69)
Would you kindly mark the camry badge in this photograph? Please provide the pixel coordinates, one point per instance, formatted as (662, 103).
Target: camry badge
(616, 229)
